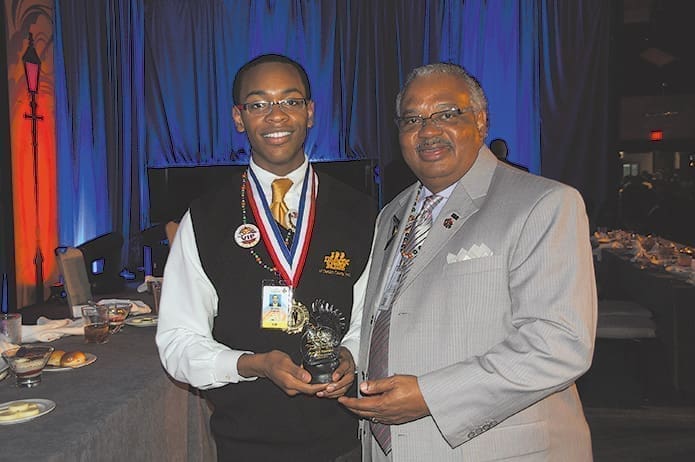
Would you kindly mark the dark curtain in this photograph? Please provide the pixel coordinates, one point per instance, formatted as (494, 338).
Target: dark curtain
(148, 84)
(578, 103)
(7, 276)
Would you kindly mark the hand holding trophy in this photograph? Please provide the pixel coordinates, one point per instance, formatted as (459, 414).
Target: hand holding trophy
(321, 339)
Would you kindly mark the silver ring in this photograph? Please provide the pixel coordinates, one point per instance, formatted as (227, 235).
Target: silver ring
(374, 420)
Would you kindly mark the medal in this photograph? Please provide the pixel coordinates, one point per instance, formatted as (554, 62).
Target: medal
(299, 315)
(247, 235)
(288, 261)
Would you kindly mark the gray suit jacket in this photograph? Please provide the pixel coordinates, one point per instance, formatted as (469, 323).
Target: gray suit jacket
(496, 342)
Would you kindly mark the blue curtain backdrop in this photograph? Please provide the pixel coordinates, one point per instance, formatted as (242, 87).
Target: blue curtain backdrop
(147, 83)
(100, 121)
(357, 54)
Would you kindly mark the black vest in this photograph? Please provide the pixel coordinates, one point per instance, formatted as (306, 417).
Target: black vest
(256, 420)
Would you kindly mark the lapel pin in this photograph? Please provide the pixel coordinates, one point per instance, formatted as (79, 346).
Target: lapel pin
(448, 222)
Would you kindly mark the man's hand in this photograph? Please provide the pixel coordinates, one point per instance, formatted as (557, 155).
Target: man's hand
(393, 400)
(278, 367)
(342, 378)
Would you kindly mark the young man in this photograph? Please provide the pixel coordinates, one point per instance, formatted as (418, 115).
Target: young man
(480, 306)
(277, 230)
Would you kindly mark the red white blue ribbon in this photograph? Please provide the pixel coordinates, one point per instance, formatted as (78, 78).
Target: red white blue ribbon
(289, 261)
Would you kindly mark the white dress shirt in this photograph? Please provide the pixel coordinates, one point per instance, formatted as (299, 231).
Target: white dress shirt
(188, 305)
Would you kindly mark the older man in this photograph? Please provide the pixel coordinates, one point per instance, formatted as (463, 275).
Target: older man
(480, 306)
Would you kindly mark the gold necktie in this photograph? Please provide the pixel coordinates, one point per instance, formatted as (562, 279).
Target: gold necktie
(278, 207)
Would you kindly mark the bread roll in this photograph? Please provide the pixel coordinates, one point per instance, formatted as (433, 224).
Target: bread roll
(73, 358)
(55, 358)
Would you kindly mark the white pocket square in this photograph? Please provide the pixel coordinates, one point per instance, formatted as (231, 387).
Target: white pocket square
(476, 251)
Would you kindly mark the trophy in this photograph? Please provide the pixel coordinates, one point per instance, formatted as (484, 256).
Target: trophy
(322, 335)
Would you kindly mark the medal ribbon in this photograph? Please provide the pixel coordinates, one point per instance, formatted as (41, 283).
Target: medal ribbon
(288, 261)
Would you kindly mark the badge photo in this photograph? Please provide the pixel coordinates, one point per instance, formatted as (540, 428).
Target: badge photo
(276, 305)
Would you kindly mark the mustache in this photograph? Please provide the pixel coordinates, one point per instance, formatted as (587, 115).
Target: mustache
(432, 142)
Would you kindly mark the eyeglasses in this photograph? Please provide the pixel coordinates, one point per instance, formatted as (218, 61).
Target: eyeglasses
(440, 118)
(264, 107)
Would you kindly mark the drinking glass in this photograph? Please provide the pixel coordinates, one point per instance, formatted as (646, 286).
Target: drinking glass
(96, 323)
(117, 314)
(27, 362)
(155, 287)
(11, 327)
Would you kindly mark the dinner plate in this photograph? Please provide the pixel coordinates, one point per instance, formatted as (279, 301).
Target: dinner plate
(145, 320)
(90, 359)
(45, 406)
(678, 269)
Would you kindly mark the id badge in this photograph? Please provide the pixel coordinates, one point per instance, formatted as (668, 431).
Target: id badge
(276, 303)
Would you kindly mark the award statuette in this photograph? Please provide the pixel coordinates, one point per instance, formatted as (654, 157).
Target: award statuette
(321, 339)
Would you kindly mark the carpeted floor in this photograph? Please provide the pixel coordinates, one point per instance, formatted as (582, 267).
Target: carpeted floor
(647, 433)
(633, 411)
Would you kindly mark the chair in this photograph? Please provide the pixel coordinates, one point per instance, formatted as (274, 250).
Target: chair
(72, 266)
(625, 334)
(102, 258)
(624, 319)
(156, 242)
(499, 148)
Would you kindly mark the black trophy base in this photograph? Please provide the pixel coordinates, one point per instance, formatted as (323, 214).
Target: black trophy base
(322, 372)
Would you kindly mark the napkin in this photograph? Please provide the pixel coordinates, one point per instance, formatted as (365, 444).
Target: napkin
(48, 330)
(143, 287)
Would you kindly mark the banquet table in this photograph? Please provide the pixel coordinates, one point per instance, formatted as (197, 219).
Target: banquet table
(671, 298)
(121, 407)
(59, 308)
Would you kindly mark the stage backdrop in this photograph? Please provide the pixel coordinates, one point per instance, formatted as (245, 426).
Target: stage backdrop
(147, 83)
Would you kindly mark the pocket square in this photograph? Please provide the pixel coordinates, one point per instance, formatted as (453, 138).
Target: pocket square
(476, 251)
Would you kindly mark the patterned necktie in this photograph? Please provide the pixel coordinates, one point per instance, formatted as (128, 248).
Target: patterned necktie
(278, 207)
(379, 348)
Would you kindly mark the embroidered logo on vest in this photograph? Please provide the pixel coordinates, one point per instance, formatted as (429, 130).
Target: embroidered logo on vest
(336, 264)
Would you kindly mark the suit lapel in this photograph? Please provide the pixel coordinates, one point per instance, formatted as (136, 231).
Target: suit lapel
(389, 243)
(464, 202)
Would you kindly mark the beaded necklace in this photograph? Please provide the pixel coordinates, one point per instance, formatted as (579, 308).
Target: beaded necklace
(409, 227)
(288, 237)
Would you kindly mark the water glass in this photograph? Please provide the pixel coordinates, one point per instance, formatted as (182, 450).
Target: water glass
(117, 314)
(11, 327)
(155, 287)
